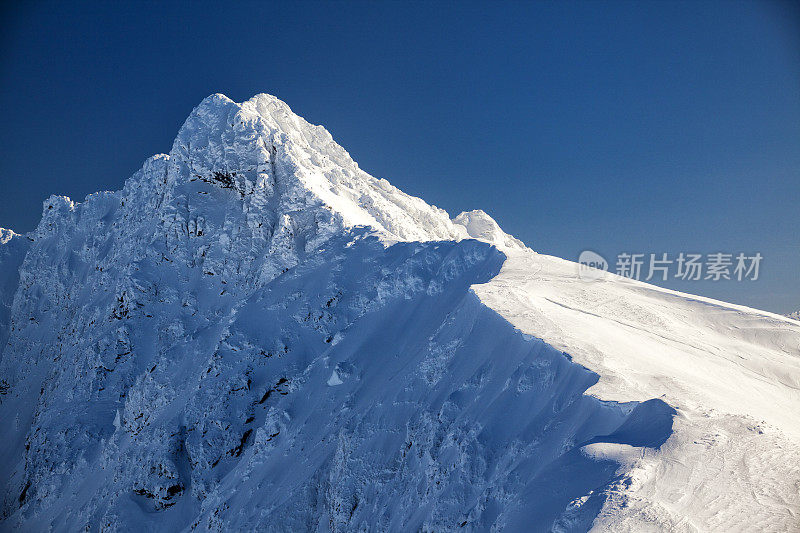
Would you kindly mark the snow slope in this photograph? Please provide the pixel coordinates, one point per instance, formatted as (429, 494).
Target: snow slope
(254, 334)
(732, 373)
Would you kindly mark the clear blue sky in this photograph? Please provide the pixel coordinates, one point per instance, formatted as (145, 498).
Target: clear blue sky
(638, 127)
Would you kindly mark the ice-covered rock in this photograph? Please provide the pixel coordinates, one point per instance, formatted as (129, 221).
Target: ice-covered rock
(255, 334)
(482, 227)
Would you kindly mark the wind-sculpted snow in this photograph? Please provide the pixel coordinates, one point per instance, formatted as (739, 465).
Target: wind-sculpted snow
(366, 387)
(233, 342)
(254, 334)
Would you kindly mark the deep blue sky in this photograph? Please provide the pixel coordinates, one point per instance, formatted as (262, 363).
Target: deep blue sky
(639, 127)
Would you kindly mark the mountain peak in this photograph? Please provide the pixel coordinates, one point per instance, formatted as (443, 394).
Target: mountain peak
(254, 180)
(258, 175)
(261, 146)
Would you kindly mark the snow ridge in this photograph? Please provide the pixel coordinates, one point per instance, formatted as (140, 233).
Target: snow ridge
(255, 334)
(253, 300)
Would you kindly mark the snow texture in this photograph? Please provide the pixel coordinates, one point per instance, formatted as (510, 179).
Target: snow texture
(254, 334)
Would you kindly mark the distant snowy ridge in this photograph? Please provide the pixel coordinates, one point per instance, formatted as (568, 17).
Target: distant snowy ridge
(255, 334)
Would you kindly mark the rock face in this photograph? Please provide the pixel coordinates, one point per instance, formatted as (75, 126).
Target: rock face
(255, 334)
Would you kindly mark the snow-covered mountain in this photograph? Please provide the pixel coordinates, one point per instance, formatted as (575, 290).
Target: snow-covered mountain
(255, 334)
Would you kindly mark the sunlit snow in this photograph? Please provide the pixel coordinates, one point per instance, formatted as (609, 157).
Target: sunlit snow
(254, 334)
